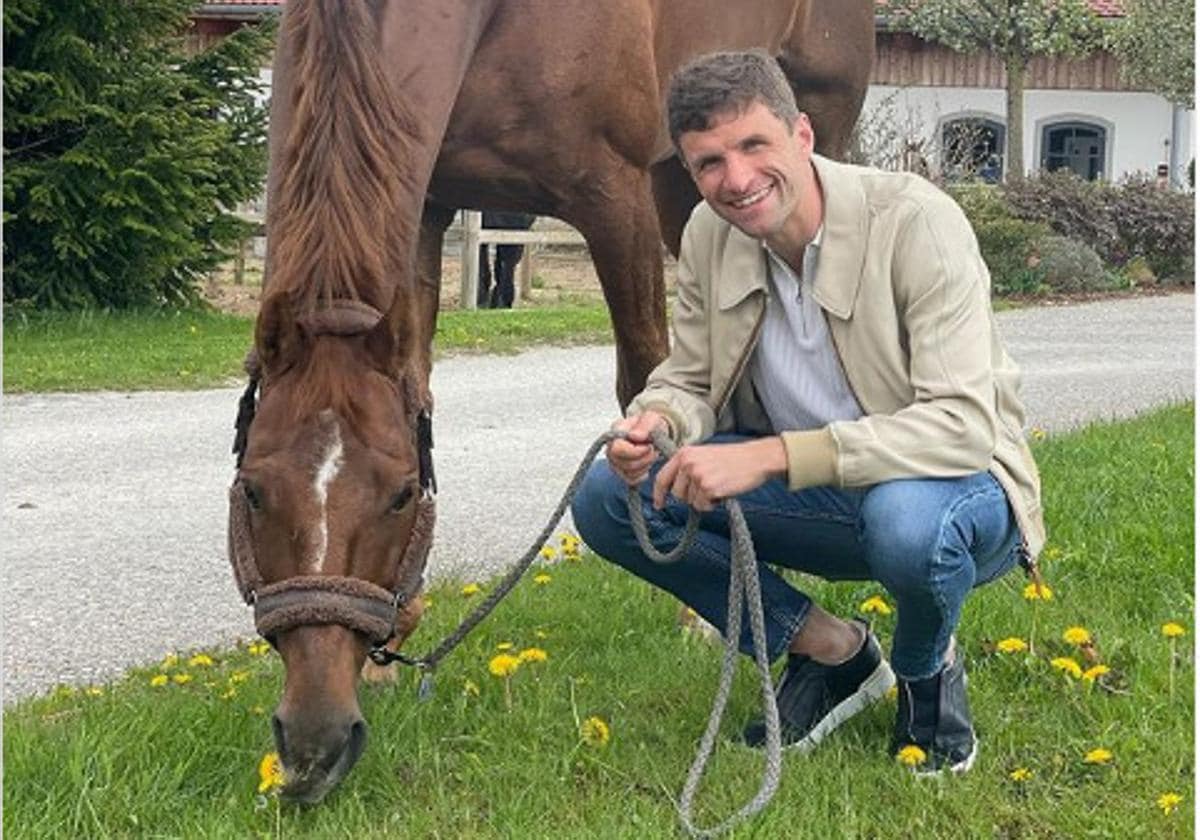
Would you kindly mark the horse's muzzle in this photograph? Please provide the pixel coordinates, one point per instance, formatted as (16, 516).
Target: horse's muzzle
(315, 761)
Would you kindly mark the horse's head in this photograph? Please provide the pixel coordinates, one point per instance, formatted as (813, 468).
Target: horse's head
(331, 516)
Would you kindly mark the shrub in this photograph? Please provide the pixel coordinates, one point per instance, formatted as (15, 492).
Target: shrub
(1070, 206)
(1008, 244)
(1070, 266)
(117, 168)
(1158, 226)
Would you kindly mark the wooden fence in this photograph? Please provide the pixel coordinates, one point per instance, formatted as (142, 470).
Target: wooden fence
(475, 234)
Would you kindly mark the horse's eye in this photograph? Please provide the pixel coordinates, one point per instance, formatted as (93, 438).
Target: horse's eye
(400, 500)
(253, 498)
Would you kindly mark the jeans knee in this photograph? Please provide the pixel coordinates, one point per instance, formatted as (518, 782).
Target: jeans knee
(599, 509)
(912, 550)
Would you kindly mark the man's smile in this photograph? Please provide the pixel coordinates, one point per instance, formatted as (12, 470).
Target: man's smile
(753, 198)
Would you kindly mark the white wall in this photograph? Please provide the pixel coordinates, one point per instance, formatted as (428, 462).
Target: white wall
(1137, 123)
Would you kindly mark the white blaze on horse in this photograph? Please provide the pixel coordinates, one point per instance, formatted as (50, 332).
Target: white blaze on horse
(385, 116)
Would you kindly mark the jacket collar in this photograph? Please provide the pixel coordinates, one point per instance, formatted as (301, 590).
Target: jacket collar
(843, 247)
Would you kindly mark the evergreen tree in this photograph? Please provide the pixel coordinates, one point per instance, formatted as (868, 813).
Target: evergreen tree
(1014, 30)
(122, 154)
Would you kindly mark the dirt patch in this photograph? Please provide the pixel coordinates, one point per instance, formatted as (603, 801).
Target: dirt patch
(560, 276)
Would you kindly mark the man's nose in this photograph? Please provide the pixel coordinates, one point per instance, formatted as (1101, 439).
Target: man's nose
(739, 174)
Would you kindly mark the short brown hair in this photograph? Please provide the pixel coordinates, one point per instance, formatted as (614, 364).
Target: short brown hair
(727, 82)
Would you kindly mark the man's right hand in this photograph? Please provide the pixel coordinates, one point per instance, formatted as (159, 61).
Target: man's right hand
(631, 459)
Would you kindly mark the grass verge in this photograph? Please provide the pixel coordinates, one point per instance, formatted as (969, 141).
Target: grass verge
(179, 760)
(189, 349)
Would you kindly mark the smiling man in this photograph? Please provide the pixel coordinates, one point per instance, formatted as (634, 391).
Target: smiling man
(836, 367)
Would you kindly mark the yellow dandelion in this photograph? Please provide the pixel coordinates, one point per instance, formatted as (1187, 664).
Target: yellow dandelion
(569, 542)
(159, 680)
(238, 677)
(1093, 673)
(257, 710)
(200, 660)
(229, 693)
(1098, 756)
(875, 604)
(1034, 592)
(470, 589)
(594, 732)
(1067, 665)
(1037, 433)
(1169, 802)
(270, 773)
(169, 661)
(1076, 636)
(892, 693)
(426, 602)
(911, 755)
(1173, 630)
(259, 648)
(93, 691)
(542, 579)
(470, 688)
(532, 654)
(1011, 645)
(503, 665)
(547, 553)
(1021, 774)
(181, 679)
(505, 646)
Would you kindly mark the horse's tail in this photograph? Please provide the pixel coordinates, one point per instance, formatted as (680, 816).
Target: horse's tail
(340, 180)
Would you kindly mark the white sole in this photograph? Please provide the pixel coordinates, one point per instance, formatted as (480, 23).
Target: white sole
(873, 688)
(956, 769)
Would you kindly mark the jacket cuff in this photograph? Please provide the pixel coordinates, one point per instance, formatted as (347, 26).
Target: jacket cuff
(812, 458)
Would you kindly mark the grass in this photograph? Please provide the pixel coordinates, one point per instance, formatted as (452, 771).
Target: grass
(187, 349)
(180, 760)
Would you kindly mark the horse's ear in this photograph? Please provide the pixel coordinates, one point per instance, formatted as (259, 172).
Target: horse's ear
(391, 341)
(276, 334)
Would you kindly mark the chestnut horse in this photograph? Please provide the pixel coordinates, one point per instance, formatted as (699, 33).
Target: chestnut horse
(384, 116)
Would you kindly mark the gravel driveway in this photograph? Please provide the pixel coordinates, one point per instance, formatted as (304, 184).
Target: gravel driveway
(114, 504)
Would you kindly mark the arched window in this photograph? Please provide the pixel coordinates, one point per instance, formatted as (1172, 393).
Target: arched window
(1078, 146)
(972, 147)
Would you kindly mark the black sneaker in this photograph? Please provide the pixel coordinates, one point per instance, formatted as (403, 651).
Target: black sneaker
(815, 699)
(933, 715)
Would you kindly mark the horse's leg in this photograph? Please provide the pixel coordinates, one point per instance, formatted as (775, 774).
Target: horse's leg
(485, 278)
(828, 61)
(616, 217)
(675, 195)
(434, 220)
(506, 261)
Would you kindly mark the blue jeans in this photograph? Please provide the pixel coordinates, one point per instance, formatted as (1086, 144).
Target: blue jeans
(927, 541)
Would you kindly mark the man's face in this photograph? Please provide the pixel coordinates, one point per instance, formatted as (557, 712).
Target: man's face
(750, 168)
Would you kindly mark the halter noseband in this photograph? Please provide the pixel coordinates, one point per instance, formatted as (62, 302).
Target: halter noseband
(354, 603)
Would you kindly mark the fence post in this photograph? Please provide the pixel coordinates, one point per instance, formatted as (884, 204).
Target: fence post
(472, 223)
(525, 281)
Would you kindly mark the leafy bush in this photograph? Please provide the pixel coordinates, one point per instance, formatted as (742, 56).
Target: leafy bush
(121, 153)
(1118, 221)
(1069, 266)
(1008, 244)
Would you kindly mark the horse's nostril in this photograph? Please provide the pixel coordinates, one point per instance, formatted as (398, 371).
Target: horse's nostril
(277, 732)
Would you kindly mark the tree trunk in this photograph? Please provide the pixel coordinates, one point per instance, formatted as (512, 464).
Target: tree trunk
(1014, 89)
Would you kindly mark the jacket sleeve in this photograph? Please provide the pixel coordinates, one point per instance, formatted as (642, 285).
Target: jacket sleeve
(680, 388)
(943, 300)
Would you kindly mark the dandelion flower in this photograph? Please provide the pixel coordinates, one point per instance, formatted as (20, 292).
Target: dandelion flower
(875, 604)
(503, 665)
(911, 755)
(1021, 774)
(93, 691)
(1011, 645)
(169, 661)
(541, 634)
(594, 732)
(238, 676)
(569, 542)
(1098, 756)
(181, 679)
(1034, 592)
(1067, 665)
(547, 553)
(1091, 674)
(200, 660)
(426, 602)
(542, 579)
(229, 693)
(1172, 630)
(532, 654)
(1037, 433)
(159, 680)
(470, 689)
(892, 693)
(470, 589)
(1169, 802)
(257, 710)
(1076, 636)
(259, 648)
(504, 646)
(270, 773)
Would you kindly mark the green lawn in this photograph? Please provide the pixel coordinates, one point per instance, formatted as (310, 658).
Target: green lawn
(201, 348)
(180, 760)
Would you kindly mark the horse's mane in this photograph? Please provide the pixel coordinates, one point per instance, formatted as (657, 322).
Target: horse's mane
(337, 229)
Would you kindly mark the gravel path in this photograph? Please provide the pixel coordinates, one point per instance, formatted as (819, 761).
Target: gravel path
(114, 504)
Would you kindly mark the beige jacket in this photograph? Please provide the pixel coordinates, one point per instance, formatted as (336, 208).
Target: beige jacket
(907, 298)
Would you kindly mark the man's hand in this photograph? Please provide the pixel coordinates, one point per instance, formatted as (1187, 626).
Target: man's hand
(631, 459)
(703, 475)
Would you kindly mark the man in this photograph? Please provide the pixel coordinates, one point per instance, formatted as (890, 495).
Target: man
(836, 367)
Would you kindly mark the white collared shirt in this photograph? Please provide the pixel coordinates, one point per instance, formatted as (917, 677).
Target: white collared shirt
(795, 368)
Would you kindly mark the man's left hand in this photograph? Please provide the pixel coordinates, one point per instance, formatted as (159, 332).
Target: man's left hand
(703, 475)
